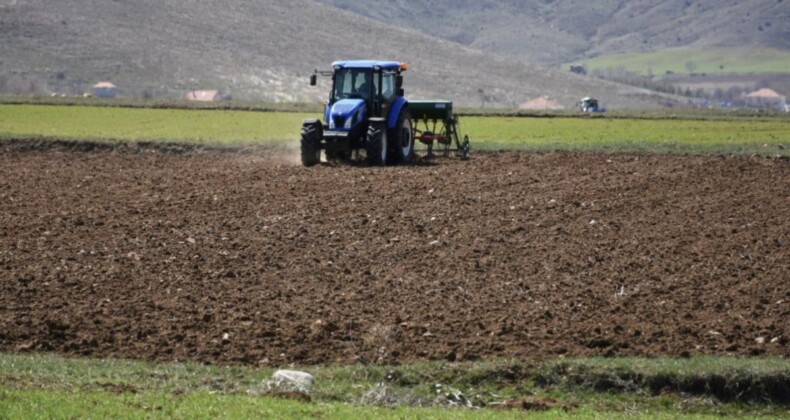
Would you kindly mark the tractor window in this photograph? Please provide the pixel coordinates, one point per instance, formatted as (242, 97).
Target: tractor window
(352, 83)
(388, 86)
(342, 83)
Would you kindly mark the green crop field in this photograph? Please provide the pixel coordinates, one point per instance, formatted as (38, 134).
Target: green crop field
(631, 135)
(234, 128)
(130, 124)
(683, 61)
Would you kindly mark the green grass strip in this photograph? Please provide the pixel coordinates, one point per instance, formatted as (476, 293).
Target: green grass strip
(51, 386)
(68, 405)
(82, 404)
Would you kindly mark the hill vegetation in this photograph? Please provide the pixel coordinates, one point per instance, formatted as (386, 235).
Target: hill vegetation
(479, 53)
(257, 50)
(554, 32)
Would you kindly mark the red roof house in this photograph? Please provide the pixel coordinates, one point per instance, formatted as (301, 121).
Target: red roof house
(104, 90)
(766, 98)
(203, 95)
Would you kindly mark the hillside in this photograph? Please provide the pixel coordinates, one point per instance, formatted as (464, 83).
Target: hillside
(554, 32)
(258, 49)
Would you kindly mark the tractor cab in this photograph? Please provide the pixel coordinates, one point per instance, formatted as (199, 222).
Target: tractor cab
(376, 83)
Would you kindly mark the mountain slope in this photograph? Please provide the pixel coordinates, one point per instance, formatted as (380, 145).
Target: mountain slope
(554, 32)
(258, 49)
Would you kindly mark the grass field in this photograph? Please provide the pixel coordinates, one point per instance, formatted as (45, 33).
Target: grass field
(235, 128)
(47, 386)
(104, 123)
(683, 61)
(632, 135)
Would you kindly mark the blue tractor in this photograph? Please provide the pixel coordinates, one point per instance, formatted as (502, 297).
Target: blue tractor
(366, 111)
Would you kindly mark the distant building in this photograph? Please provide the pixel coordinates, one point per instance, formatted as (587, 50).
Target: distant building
(542, 103)
(104, 90)
(203, 96)
(766, 98)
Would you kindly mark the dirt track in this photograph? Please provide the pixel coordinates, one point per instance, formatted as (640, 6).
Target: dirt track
(229, 257)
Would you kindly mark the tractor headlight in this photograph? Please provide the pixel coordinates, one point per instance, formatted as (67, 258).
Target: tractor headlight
(331, 123)
(349, 122)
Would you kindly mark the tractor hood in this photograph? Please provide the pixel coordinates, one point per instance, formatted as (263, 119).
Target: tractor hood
(345, 114)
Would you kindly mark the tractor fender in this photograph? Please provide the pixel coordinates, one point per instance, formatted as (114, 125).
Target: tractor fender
(397, 106)
(312, 121)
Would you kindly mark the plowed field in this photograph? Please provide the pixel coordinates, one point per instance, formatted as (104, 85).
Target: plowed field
(246, 257)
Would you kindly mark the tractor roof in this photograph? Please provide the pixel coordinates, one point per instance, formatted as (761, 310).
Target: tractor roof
(366, 64)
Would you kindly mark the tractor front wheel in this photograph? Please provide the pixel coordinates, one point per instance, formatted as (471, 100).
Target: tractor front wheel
(311, 144)
(377, 143)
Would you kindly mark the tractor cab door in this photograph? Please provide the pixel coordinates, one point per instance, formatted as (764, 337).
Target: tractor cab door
(386, 92)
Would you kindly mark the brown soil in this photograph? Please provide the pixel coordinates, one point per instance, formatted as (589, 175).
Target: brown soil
(249, 258)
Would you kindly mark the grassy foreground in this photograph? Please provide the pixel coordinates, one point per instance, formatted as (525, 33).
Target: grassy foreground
(768, 136)
(48, 386)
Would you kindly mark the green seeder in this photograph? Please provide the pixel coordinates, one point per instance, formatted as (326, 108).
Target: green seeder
(435, 123)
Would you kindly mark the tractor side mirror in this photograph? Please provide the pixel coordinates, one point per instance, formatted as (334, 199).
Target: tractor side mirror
(313, 80)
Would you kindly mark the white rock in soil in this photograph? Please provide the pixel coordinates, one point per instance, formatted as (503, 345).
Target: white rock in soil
(302, 380)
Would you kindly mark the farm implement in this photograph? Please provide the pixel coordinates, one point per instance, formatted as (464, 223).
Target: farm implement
(436, 125)
(367, 112)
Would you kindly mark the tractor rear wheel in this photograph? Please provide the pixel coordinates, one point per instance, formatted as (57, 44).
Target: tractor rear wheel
(403, 138)
(377, 143)
(311, 144)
